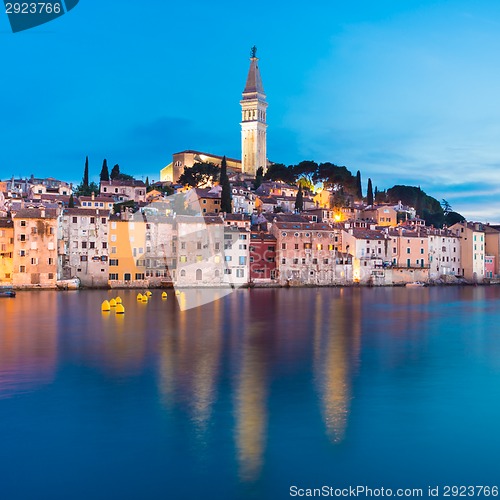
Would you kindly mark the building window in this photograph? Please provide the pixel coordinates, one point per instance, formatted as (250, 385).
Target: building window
(139, 276)
(83, 258)
(228, 258)
(296, 246)
(295, 261)
(22, 269)
(242, 261)
(51, 261)
(283, 246)
(92, 220)
(240, 273)
(183, 273)
(183, 258)
(84, 244)
(113, 262)
(283, 261)
(22, 223)
(113, 276)
(408, 250)
(104, 244)
(92, 244)
(127, 277)
(243, 236)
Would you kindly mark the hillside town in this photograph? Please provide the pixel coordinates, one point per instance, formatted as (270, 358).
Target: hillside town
(132, 235)
(212, 221)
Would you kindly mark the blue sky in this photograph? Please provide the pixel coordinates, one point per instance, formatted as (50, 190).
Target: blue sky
(406, 92)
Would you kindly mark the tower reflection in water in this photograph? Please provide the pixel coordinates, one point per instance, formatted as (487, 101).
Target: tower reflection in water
(337, 341)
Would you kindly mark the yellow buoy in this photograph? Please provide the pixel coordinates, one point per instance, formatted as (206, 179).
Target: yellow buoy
(118, 300)
(120, 309)
(145, 298)
(105, 306)
(139, 296)
(148, 293)
(164, 295)
(112, 303)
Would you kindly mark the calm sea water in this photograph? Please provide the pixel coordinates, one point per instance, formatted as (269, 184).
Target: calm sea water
(249, 395)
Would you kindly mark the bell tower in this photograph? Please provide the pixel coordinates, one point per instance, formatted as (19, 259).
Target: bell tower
(253, 121)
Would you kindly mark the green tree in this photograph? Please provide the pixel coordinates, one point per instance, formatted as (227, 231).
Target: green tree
(104, 171)
(147, 183)
(226, 202)
(306, 171)
(359, 189)
(259, 178)
(369, 193)
(280, 172)
(299, 201)
(85, 180)
(82, 190)
(446, 207)
(200, 175)
(71, 202)
(115, 172)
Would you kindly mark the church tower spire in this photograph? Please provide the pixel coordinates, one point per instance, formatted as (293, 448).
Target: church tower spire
(253, 120)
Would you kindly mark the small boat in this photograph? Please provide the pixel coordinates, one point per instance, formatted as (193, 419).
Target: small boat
(7, 292)
(69, 284)
(415, 284)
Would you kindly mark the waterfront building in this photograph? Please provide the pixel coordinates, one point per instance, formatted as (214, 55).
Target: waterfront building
(124, 190)
(236, 255)
(492, 246)
(127, 244)
(200, 251)
(472, 249)
(263, 256)
(489, 266)
(160, 254)
(307, 255)
(84, 246)
(6, 250)
(444, 253)
(370, 251)
(35, 258)
(409, 248)
(253, 121)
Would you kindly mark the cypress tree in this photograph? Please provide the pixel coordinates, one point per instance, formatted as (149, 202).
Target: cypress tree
(359, 189)
(85, 180)
(71, 202)
(369, 193)
(299, 201)
(104, 171)
(259, 178)
(115, 172)
(226, 204)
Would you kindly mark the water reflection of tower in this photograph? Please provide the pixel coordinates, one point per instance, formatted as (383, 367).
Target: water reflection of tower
(337, 335)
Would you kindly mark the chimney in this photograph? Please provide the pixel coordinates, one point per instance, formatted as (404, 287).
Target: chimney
(92, 196)
(42, 212)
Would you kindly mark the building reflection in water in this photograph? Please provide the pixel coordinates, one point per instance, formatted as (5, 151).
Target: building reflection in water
(189, 362)
(250, 405)
(337, 342)
(28, 343)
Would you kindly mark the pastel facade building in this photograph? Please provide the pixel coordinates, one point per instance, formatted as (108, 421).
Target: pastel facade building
(127, 245)
(200, 251)
(409, 249)
(236, 255)
(492, 245)
(307, 255)
(84, 247)
(444, 253)
(263, 257)
(97, 202)
(6, 251)
(35, 258)
(472, 249)
(124, 190)
(370, 252)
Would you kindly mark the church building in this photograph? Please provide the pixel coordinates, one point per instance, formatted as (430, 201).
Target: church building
(253, 134)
